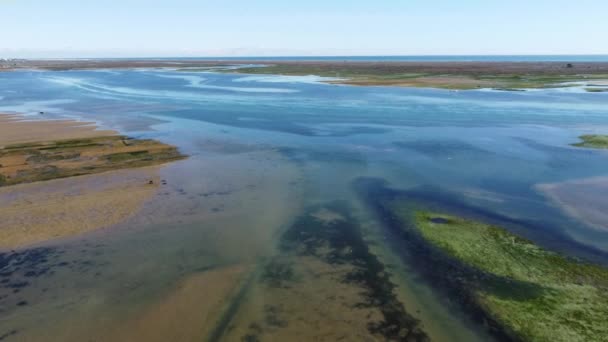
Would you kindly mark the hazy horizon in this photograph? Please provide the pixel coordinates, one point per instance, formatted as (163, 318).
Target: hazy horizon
(188, 28)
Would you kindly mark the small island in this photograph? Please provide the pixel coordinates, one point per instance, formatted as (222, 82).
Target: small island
(599, 141)
(534, 294)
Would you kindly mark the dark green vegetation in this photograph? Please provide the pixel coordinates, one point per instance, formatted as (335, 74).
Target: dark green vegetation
(500, 76)
(593, 141)
(31, 162)
(339, 241)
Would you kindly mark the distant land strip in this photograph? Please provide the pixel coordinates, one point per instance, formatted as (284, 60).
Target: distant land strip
(447, 75)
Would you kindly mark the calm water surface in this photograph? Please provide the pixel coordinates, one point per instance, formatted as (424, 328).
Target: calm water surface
(261, 149)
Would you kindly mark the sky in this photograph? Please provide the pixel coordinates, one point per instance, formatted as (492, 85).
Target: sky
(190, 28)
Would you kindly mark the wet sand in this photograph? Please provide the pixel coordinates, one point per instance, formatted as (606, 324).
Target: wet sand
(37, 212)
(187, 313)
(169, 271)
(583, 199)
(33, 213)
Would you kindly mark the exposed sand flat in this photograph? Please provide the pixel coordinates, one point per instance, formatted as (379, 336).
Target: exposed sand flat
(36, 212)
(14, 129)
(115, 182)
(583, 199)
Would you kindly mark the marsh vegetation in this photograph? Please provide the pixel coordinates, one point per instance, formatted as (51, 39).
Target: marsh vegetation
(593, 141)
(538, 295)
(462, 76)
(31, 162)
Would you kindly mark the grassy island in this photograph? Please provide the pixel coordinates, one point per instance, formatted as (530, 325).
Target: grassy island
(535, 294)
(593, 141)
(31, 162)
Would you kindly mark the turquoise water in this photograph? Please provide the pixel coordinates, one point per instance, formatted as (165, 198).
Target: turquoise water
(274, 144)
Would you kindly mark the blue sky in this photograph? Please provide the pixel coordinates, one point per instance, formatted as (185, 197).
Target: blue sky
(70, 28)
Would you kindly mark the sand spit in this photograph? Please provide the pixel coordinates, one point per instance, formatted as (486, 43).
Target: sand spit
(583, 199)
(61, 178)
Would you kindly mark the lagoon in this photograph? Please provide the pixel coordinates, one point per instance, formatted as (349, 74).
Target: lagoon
(269, 152)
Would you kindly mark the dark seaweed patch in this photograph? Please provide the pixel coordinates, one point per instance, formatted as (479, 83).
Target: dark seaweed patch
(444, 148)
(304, 155)
(17, 270)
(250, 338)
(8, 334)
(278, 273)
(346, 246)
(272, 317)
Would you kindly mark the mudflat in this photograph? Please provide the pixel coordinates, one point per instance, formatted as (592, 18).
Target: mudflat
(110, 177)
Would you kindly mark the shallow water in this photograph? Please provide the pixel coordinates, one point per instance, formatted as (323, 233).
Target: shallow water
(262, 149)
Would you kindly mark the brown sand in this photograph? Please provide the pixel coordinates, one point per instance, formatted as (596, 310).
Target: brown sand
(15, 130)
(36, 212)
(189, 312)
(186, 311)
(583, 199)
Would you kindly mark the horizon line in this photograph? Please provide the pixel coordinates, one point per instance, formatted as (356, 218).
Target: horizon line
(315, 56)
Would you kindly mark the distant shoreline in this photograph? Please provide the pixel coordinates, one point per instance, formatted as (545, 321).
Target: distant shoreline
(447, 75)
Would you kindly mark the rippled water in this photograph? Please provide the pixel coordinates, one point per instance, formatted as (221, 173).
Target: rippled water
(262, 149)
